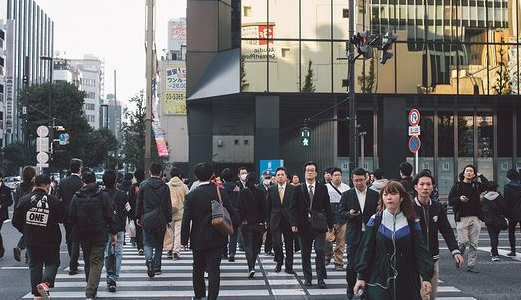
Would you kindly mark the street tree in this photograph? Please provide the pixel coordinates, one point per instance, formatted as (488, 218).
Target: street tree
(309, 86)
(102, 148)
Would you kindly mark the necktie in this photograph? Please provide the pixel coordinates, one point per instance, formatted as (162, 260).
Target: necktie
(281, 193)
(311, 195)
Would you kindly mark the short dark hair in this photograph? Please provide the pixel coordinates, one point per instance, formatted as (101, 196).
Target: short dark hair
(139, 174)
(310, 163)
(155, 169)
(335, 169)
(241, 168)
(492, 186)
(328, 170)
(75, 165)
(282, 169)
(424, 173)
(28, 173)
(203, 171)
(174, 172)
(40, 180)
(227, 175)
(378, 174)
(88, 177)
(513, 175)
(358, 172)
(406, 168)
(128, 176)
(109, 178)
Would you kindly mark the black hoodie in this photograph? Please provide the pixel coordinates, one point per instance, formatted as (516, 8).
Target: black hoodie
(37, 216)
(92, 214)
(23, 189)
(154, 193)
(513, 200)
(125, 185)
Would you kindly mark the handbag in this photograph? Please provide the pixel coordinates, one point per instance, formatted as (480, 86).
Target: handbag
(153, 220)
(318, 219)
(502, 223)
(220, 216)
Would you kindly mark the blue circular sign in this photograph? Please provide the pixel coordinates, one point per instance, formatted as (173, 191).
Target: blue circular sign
(414, 144)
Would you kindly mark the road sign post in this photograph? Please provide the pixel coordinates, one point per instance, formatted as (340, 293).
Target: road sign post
(414, 132)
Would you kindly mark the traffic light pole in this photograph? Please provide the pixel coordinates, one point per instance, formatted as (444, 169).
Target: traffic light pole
(353, 157)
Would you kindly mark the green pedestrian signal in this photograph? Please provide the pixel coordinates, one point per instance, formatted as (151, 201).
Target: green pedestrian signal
(305, 136)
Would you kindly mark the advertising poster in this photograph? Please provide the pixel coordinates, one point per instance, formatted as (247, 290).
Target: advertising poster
(175, 92)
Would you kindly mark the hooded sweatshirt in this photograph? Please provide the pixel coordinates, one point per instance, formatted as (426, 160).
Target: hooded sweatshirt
(23, 189)
(513, 200)
(154, 193)
(493, 207)
(178, 191)
(379, 184)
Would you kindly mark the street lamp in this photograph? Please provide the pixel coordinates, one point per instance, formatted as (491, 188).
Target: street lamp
(51, 119)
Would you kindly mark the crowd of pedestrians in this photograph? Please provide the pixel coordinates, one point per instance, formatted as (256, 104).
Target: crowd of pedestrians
(387, 229)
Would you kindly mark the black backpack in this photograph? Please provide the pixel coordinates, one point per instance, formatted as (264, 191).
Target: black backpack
(90, 216)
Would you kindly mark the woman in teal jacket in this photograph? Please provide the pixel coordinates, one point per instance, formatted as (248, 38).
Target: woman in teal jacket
(392, 255)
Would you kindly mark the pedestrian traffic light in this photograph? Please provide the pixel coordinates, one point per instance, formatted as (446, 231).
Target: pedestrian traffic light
(387, 42)
(305, 136)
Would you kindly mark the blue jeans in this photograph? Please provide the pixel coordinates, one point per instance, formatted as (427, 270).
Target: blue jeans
(38, 257)
(119, 255)
(154, 241)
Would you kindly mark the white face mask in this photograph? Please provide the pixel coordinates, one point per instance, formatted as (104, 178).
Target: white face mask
(267, 181)
(243, 177)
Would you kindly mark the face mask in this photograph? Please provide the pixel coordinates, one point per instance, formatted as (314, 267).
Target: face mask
(243, 177)
(267, 181)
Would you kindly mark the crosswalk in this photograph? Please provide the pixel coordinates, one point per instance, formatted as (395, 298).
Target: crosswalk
(176, 281)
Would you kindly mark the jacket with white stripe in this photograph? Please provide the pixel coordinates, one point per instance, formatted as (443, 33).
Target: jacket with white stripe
(436, 214)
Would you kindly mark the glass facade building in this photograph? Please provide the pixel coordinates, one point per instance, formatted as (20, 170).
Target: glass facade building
(457, 61)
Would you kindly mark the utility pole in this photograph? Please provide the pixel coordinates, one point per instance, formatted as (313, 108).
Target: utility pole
(116, 123)
(353, 157)
(150, 63)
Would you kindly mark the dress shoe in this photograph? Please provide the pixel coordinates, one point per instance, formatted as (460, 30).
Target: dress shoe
(73, 272)
(350, 293)
(321, 284)
(512, 253)
(472, 269)
(278, 268)
(231, 258)
(270, 253)
(17, 253)
(328, 262)
(307, 283)
(290, 271)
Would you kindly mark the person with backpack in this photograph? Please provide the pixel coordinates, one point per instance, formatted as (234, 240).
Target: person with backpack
(139, 175)
(37, 217)
(512, 192)
(154, 213)
(465, 199)
(25, 187)
(92, 215)
(119, 201)
(393, 261)
(494, 211)
(233, 194)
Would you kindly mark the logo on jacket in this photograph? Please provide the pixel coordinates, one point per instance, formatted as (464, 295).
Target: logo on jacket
(38, 215)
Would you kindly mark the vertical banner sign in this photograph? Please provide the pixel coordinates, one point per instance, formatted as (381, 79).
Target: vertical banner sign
(9, 82)
(175, 92)
(162, 149)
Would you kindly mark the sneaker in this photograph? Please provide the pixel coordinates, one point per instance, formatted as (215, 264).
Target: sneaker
(231, 258)
(140, 252)
(495, 258)
(111, 286)
(472, 269)
(169, 254)
(43, 289)
(328, 261)
(251, 273)
(73, 272)
(17, 253)
(339, 267)
(511, 253)
(158, 272)
(176, 256)
(150, 270)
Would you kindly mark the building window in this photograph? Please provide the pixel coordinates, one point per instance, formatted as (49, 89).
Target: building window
(345, 13)
(247, 11)
(90, 118)
(90, 106)
(285, 52)
(90, 95)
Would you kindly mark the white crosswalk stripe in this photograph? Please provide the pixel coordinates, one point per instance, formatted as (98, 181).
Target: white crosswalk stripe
(176, 281)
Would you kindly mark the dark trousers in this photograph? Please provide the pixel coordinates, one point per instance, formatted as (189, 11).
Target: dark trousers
(21, 243)
(139, 236)
(93, 256)
(73, 247)
(268, 244)
(252, 246)
(38, 257)
(351, 250)
(209, 260)
(283, 230)
(2, 249)
(493, 233)
(232, 246)
(512, 233)
(308, 238)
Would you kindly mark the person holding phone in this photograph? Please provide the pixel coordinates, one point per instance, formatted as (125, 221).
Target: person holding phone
(360, 204)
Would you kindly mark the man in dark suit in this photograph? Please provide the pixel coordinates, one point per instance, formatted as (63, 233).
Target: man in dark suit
(268, 240)
(310, 197)
(67, 188)
(360, 204)
(206, 242)
(279, 197)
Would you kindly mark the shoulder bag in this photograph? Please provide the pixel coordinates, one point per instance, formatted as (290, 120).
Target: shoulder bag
(220, 216)
(318, 219)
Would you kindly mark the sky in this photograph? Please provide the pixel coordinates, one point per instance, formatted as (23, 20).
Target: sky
(113, 31)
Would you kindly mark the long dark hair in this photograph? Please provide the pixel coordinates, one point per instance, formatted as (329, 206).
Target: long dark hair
(394, 187)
